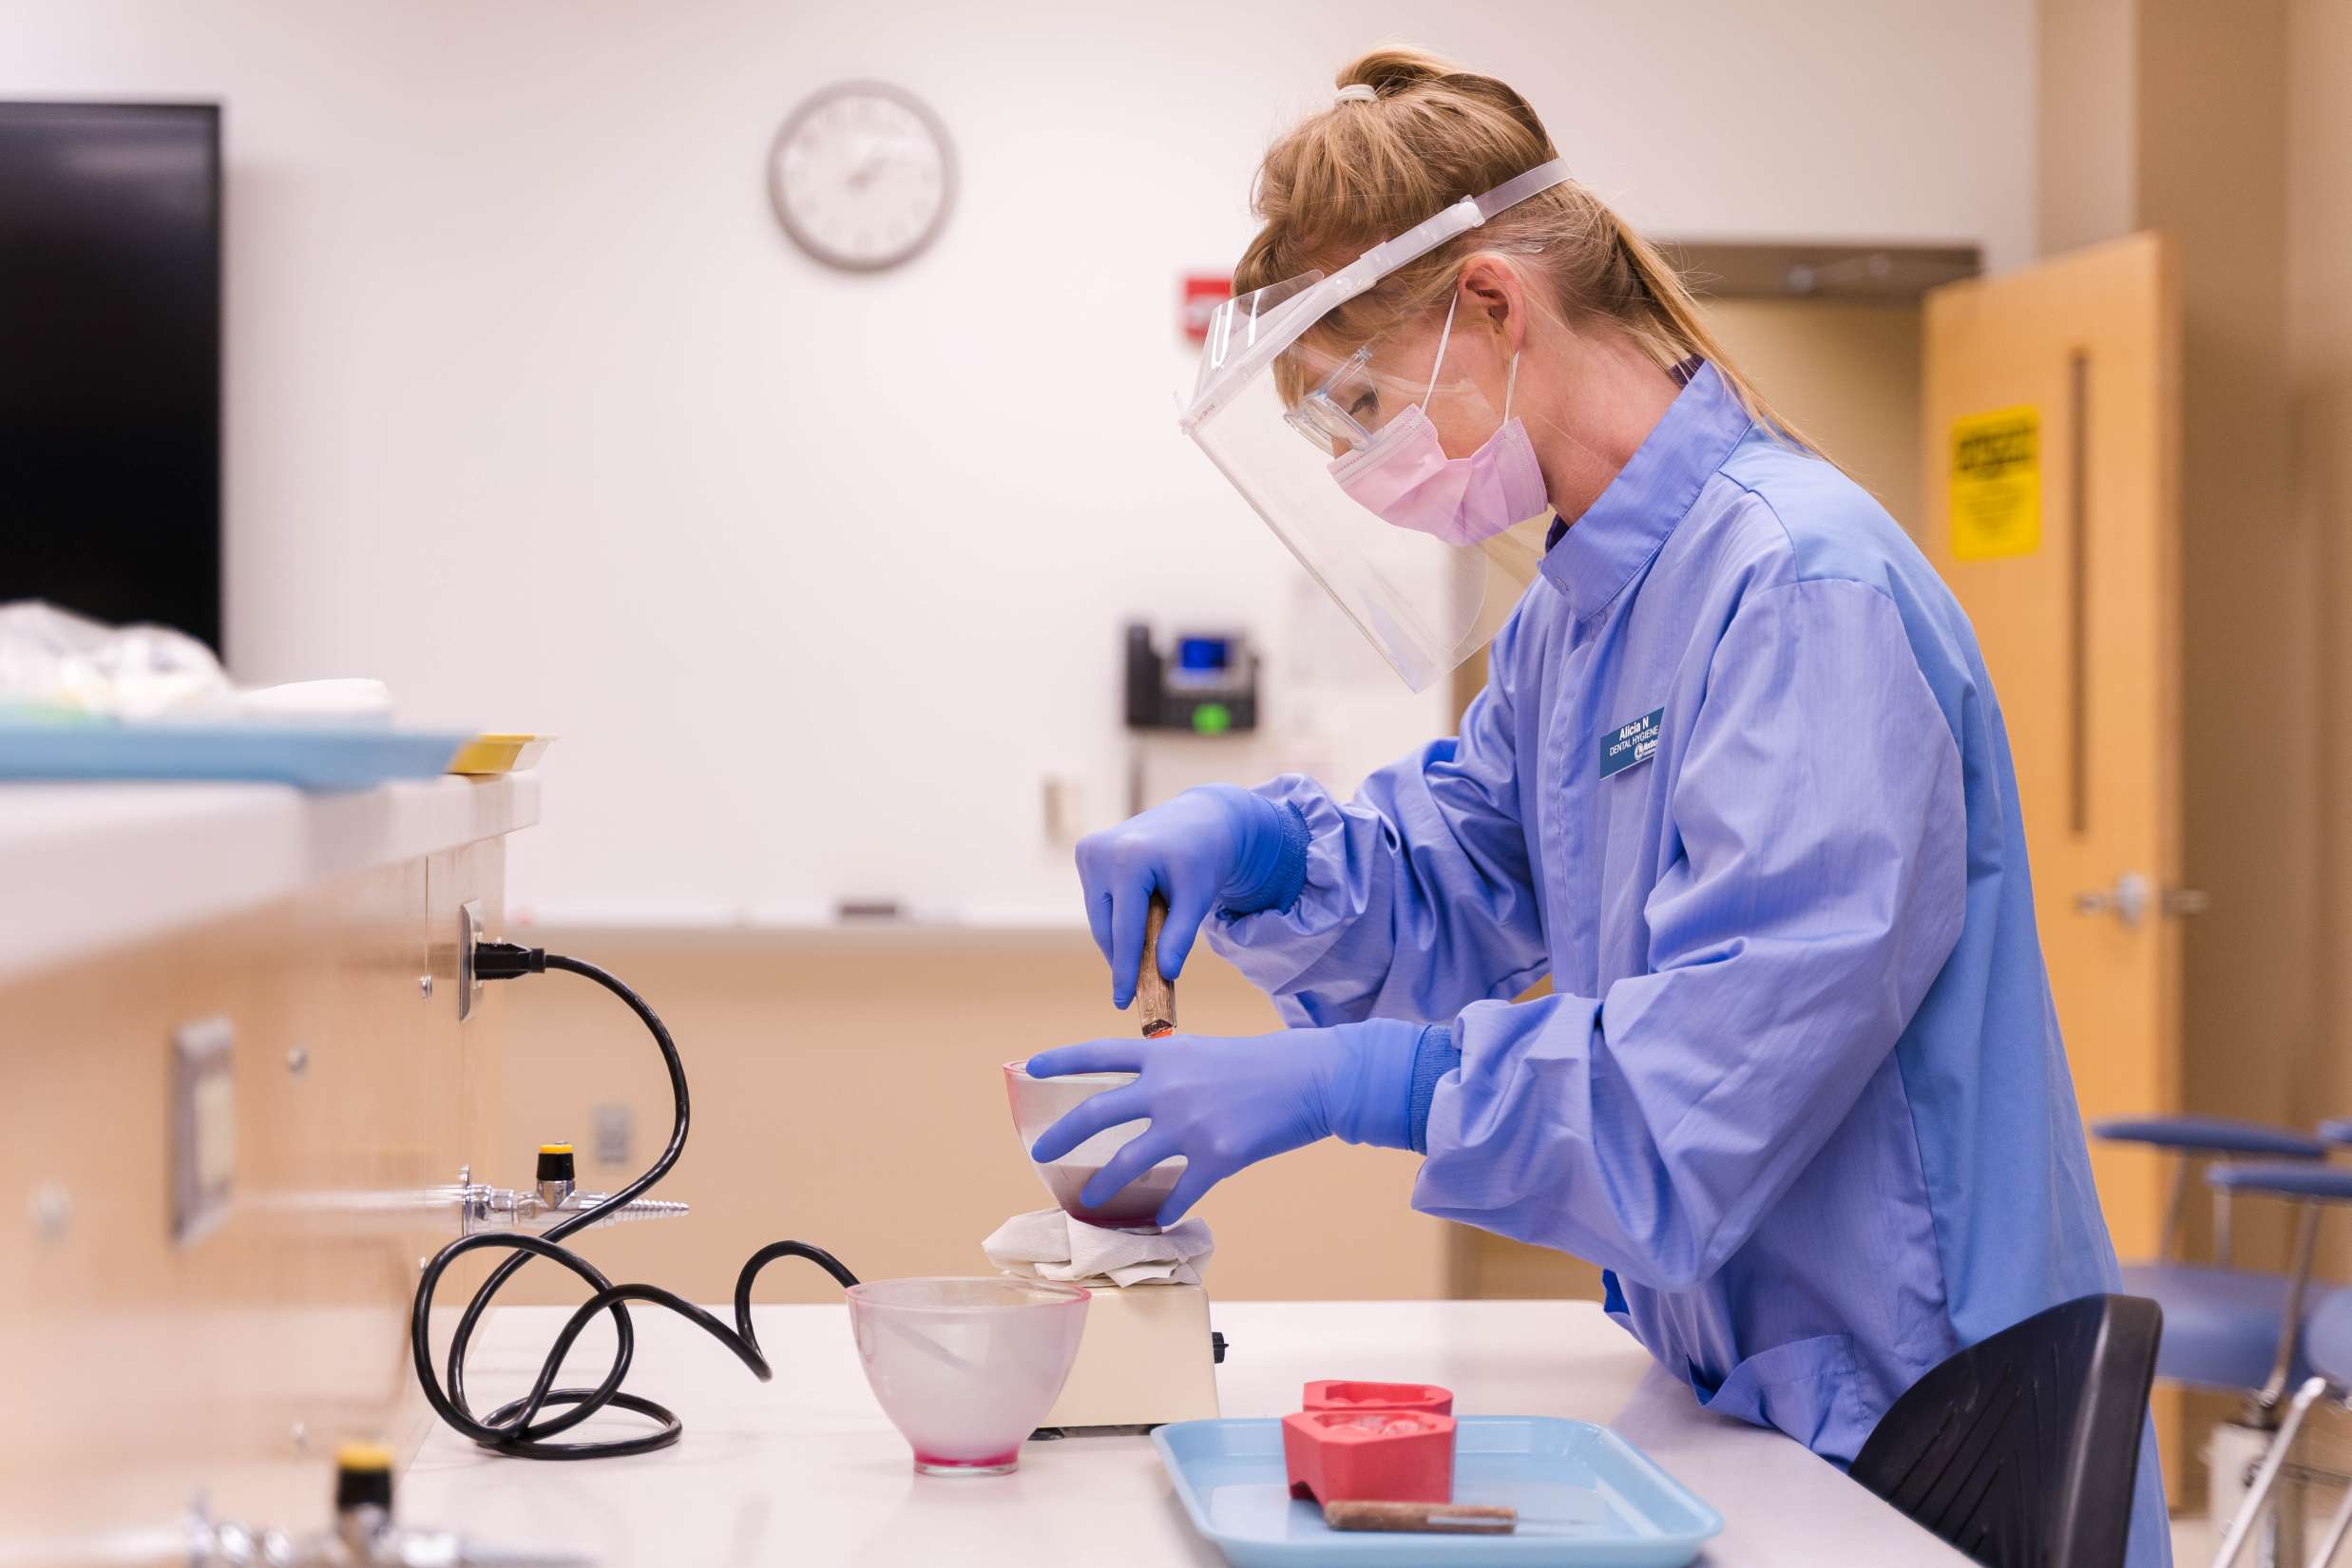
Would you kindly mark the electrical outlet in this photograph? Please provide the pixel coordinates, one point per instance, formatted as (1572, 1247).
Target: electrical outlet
(203, 1130)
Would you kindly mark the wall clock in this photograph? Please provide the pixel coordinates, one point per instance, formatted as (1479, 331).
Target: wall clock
(862, 175)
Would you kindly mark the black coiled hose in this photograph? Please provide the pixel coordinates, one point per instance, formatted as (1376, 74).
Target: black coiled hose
(517, 1426)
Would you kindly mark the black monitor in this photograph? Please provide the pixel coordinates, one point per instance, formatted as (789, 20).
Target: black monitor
(110, 360)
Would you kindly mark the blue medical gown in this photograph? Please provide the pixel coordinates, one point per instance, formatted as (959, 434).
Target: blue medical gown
(1739, 784)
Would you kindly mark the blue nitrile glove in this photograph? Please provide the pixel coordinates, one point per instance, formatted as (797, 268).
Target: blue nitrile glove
(1225, 1103)
(1210, 847)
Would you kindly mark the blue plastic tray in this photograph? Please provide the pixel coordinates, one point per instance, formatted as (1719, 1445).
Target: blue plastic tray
(1587, 1498)
(314, 758)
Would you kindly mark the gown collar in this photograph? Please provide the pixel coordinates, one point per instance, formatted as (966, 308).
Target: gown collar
(1592, 560)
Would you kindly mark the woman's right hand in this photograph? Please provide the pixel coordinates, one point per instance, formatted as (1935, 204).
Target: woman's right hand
(1204, 846)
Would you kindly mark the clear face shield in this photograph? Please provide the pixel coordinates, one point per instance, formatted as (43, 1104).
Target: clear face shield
(1337, 446)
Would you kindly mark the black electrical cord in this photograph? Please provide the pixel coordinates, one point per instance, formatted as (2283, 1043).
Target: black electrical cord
(517, 1426)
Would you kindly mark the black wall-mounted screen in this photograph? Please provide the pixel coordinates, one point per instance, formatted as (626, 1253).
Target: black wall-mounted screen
(110, 360)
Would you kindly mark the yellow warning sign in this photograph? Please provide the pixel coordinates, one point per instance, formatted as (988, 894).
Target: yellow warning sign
(1996, 484)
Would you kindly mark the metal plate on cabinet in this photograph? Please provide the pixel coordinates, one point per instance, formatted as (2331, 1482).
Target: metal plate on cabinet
(468, 937)
(203, 1131)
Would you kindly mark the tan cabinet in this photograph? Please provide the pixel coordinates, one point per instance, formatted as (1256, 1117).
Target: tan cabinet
(160, 1352)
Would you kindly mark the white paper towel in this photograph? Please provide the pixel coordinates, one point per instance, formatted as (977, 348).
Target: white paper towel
(1050, 1245)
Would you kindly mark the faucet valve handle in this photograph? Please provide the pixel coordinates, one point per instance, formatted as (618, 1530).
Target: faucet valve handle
(555, 1175)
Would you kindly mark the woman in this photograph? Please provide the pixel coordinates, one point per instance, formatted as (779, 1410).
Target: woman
(1737, 783)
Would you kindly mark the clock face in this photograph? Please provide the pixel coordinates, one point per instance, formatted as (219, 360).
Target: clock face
(862, 175)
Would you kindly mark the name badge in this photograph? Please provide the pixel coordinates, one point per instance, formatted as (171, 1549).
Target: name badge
(1629, 744)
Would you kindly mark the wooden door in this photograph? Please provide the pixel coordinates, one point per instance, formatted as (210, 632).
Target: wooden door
(2050, 418)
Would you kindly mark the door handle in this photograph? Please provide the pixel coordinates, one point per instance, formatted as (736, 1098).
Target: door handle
(2132, 896)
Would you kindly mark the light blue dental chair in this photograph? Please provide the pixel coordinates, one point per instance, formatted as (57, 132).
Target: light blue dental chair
(2226, 1330)
(2326, 1321)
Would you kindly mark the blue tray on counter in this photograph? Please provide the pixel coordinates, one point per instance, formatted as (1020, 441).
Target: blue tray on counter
(1586, 1497)
(310, 757)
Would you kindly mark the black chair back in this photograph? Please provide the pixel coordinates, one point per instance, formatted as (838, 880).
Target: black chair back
(2021, 1450)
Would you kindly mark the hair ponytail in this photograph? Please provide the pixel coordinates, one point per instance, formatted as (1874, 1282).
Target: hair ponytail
(1358, 172)
(1667, 315)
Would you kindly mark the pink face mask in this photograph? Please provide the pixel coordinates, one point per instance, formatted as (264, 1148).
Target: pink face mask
(1405, 477)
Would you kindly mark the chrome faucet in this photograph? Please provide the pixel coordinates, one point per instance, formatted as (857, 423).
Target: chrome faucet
(552, 1197)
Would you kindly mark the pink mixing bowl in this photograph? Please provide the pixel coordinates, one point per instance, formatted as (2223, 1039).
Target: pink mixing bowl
(967, 1368)
(1039, 1103)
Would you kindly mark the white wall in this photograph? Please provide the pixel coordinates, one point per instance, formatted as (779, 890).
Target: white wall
(817, 575)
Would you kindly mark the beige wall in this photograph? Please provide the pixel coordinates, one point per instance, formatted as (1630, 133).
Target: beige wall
(2213, 142)
(2204, 94)
(2087, 146)
(1847, 372)
(2239, 146)
(2319, 383)
(848, 1091)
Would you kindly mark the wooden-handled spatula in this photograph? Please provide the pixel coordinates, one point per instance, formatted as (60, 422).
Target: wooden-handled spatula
(1154, 997)
(1432, 1519)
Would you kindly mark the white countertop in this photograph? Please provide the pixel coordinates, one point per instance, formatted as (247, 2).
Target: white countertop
(805, 1470)
(93, 865)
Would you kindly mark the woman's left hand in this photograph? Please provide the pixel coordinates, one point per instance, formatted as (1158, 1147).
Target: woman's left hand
(1224, 1104)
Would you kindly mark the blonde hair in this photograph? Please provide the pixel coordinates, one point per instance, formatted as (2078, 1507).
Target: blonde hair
(1364, 169)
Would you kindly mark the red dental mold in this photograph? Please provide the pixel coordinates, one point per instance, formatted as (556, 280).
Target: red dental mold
(1333, 1393)
(1369, 1456)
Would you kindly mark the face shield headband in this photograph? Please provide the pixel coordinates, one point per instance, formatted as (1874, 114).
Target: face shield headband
(1425, 554)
